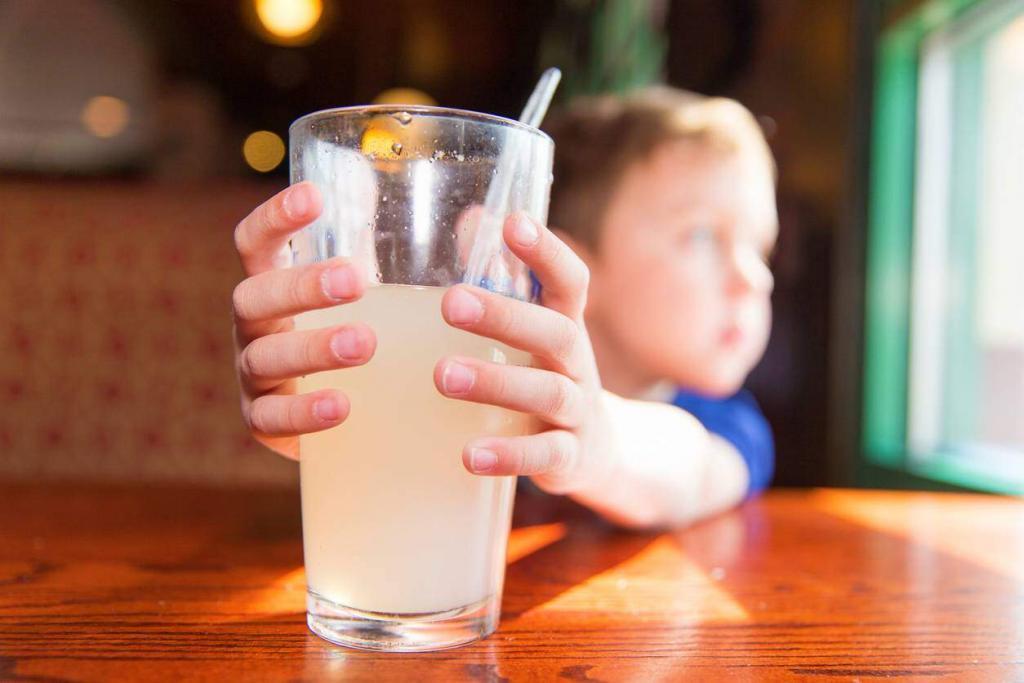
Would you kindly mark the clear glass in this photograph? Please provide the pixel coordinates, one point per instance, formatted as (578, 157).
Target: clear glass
(404, 549)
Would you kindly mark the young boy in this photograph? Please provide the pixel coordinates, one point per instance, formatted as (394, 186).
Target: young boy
(663, 202)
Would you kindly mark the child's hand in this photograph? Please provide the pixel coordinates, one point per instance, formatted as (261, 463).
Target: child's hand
(563, 389)
(269, 354)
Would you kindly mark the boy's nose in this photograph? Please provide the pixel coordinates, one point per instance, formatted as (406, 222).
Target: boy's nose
(748, 272)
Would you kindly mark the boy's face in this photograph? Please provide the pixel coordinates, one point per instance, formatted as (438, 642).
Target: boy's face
(680, 286)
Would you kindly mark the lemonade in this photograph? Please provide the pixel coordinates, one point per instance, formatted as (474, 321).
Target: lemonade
(392, 521)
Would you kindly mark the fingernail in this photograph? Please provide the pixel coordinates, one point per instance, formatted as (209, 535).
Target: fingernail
(525, 232)
(457, 378)
(326, 410)
(296, 202)
(464, 308)
(340, 283)
(482, 459)
(345, 345)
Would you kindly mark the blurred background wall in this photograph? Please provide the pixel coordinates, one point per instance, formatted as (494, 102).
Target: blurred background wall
(134, 136)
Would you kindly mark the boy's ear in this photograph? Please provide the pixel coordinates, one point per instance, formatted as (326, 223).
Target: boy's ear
(584, 252)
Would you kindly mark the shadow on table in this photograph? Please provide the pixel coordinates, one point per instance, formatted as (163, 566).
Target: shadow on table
(579, 550)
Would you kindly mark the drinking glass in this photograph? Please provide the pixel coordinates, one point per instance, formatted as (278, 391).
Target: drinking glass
(404, 549)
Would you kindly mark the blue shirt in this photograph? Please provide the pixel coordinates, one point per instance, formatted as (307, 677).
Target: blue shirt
(738, 420)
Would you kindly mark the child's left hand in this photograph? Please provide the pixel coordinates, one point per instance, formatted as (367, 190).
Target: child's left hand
(563, 388)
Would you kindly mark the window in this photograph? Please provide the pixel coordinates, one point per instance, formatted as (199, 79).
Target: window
(944, 365)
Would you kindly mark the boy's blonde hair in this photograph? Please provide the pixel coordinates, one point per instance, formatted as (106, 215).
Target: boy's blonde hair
(598, 138)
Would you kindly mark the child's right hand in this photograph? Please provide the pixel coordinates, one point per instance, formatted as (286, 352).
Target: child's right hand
(269, 353)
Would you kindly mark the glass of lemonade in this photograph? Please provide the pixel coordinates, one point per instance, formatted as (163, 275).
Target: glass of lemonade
(405, 549)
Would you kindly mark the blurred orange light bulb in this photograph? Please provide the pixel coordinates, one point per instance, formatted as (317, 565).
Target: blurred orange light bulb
(404, 96)
(105, 116)
(380, 143)
(289, 18)
(263, 151)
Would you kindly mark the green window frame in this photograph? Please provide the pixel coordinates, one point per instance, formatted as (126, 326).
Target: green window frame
(890, 243)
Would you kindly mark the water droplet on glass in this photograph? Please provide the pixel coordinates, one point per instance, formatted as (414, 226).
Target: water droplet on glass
(384, 198)
(438, 154)
(459, 156)
(403, 117)
(397, 148)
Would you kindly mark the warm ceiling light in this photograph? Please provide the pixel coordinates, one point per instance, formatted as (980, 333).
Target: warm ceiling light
(380, 143)
(263, 150)
(105, 116)
(409, 96)
(289, 19)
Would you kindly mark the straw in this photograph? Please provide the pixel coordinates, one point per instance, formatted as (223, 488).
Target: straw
(537, 106)
(488, 237)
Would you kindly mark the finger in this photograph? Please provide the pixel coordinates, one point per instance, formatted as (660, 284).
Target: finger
(525, 326)
(277, 415)
(550, 456)
(562, 273)
(262, 237)
(275, 294)
(268, 361)
(550, 396)
(288, 446)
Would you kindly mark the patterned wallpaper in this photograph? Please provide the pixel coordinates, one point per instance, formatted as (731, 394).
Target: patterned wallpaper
(115, 334)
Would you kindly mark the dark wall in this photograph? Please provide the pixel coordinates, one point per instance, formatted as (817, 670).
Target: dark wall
(792, 63)
(475, 55)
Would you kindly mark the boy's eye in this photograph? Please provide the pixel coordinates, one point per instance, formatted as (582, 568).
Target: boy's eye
(703, 235)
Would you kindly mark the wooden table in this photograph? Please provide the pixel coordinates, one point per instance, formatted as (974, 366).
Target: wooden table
(186, 584)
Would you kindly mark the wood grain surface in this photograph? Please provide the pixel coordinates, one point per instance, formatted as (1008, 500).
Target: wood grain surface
(137, 584)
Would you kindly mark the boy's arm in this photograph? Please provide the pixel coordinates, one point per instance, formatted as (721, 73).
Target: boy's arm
(666, 468)
(640, 464)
